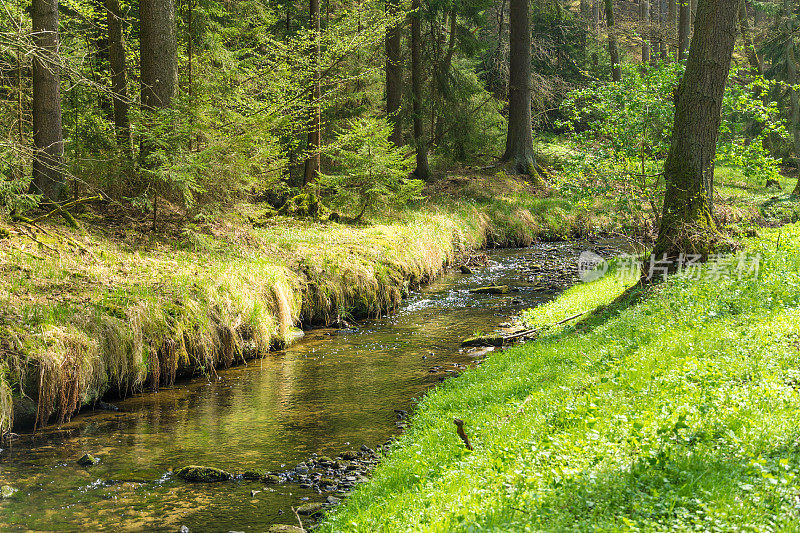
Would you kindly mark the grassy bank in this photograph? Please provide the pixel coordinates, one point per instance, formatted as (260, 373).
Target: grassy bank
(116, 308)
(673, 412)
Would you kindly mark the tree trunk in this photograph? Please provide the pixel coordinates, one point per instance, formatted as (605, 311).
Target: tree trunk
(791, 78)
(613, 46)
(687, 223)
(644, 29)
(119, 75)
(586, 11)
(596, 13)
(314, 160)
(672, 17)
(519, 143)
(423, 170)
(48, 137)
(159, 65)
(394, 76)
(159, 53)
(684, 29)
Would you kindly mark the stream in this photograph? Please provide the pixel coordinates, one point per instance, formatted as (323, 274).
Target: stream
(334, 391)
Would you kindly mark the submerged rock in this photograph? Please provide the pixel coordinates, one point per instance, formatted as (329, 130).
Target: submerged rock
(7, 491)
(252, 475)
(202, 474)
(88, 460)
(492, 289)
(271, 479)
(311, 509)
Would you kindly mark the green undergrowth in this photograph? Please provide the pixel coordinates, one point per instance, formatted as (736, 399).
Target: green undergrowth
(672, 410)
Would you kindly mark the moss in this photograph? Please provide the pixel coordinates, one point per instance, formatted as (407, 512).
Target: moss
(202, 474)
(304, 205)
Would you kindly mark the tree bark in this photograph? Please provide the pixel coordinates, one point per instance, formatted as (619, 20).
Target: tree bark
(159, 66)
(586, 11)
(119, 75)
(422, 171)
(519, 142)
(672, 17)
(48, 137)
(394, 76)
(684, 29)
(159, 53)
(687, 223)
(644, 29)
(596, 13)
(613, 46)
(791, 78)
(314, 160)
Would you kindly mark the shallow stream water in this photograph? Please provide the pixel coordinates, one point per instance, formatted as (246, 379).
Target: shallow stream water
(331, 392)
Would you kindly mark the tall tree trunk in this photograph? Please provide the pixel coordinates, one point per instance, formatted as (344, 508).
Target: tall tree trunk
(596, 13)
(586, 11)
(672, 17)
(519, 143)
(692, 13)
(422, 171)
(48, 137)
(314, 160)
(754, 126)
(687, 222)
(394, 75)
(159, 65)
(684, 29)
(791, 78)
(644, 29)
(119, 75)
(159, 53)
(613, 46)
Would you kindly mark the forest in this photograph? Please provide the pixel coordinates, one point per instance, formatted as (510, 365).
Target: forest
(399, 265)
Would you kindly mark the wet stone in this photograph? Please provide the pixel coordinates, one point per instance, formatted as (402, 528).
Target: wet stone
(252, 475)
(88, 460)
(311, 509)
(271, 479)
(202, 474)
(7, 491)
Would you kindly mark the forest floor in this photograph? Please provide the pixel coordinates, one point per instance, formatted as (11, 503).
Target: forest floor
(113, 307)
(669, 408)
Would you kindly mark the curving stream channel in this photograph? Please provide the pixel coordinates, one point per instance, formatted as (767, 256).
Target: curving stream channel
(331, 392)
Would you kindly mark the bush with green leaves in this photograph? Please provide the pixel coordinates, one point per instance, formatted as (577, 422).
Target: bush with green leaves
(368, 171)
(622, 133)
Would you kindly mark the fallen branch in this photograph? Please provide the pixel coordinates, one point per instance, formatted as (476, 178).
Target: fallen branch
(60, 208)
(298, 519)
(530, 332)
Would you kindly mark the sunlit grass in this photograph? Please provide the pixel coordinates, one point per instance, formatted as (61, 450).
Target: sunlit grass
(676, 413)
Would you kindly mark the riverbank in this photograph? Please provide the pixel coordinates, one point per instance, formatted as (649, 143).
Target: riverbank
(674, 409)
(115, 309)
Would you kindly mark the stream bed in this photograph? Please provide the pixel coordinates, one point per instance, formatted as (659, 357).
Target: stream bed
(332, 392)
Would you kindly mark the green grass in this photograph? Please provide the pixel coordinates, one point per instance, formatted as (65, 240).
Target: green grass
(676, 413)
